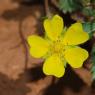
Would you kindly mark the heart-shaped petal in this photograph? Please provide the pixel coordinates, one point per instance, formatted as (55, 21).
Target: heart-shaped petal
(75, 35)
(76, 56)
(53, 27)
(54, 66)
(38, 46)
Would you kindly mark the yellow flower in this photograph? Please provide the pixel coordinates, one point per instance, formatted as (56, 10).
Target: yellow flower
(59, 46)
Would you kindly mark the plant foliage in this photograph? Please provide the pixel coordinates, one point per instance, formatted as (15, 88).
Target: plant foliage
(70, 5)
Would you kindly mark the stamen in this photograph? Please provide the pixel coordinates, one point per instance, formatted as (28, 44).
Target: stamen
(57, 47)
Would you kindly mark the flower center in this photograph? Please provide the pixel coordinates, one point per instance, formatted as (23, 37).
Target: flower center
(57, 47)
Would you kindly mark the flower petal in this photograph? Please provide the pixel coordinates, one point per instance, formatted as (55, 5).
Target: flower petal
(39, 46)
(54, 66)
(76, 56)
(75, 35)
(53, 27)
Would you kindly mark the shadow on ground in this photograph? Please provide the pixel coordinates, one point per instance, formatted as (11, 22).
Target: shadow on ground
(12, 87)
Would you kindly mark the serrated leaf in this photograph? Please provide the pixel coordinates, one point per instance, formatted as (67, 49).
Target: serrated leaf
(70, 5)
(89, 27)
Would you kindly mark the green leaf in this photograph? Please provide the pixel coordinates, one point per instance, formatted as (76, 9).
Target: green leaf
(70, 5)
(93, 62)
(88, 11)
(89, 27)
(93, 55)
